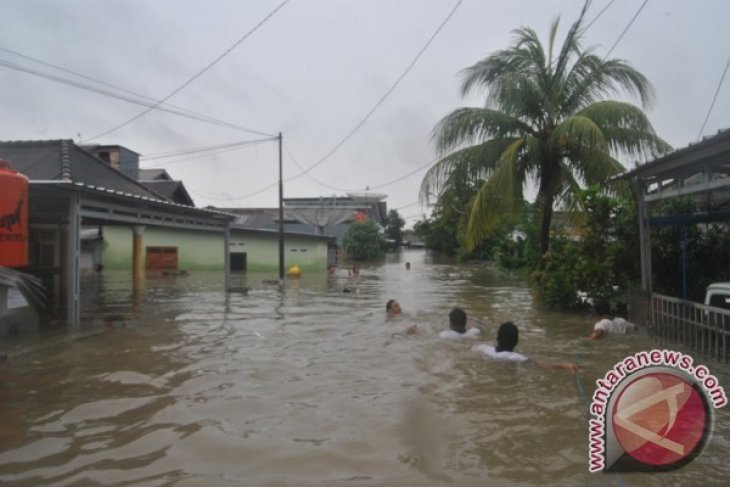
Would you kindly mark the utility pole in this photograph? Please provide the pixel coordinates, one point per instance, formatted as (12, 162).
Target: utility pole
(281, 216)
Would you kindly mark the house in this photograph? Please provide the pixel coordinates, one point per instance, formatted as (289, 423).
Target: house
(160, 182)
(320, 216)
(84, 213)
(333, 215)
(700, 171)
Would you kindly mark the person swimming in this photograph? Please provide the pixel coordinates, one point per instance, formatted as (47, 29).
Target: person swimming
(392, 307)
(608, 323)
(507, 338)
(457, 327)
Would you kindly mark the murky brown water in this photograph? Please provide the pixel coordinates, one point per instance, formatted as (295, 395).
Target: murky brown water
(186, 387)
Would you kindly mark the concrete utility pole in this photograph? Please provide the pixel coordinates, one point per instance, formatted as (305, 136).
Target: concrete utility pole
(281, 216)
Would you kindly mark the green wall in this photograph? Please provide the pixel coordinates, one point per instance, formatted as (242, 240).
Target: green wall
(197, 250)
(203, 250)
(262, 251)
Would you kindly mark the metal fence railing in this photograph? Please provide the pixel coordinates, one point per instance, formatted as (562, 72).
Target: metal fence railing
(705, 330)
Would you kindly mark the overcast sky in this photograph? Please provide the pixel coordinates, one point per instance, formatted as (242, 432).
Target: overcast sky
(314, 70)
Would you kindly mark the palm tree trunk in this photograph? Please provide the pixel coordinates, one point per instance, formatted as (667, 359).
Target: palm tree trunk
(547, 219)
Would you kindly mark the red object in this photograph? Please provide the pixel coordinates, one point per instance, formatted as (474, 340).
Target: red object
(361, 216)
(13, 217)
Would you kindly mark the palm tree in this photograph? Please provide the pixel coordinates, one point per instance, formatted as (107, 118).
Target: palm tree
(547, 121)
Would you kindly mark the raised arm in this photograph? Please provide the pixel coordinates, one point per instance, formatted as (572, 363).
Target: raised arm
(596, 334)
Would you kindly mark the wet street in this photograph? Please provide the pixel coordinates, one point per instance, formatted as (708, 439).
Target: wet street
(182, 385)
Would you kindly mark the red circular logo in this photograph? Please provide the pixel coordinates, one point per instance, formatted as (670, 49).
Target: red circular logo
(660, 419)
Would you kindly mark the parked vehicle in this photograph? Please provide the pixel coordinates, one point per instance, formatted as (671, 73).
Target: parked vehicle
(718, 295)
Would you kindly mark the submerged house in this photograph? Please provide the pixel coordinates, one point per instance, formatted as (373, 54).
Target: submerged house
(87, 210)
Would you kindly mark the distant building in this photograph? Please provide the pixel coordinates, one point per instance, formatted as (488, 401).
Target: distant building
(325, 216)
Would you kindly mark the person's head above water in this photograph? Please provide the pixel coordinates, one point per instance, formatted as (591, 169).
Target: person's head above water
(507, 337)
(457, 320)
(602, 307)
(408, 265)
(392, 307)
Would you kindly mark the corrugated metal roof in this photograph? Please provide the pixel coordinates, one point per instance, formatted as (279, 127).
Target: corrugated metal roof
(48, 160)
(172, 190)
(154, 175)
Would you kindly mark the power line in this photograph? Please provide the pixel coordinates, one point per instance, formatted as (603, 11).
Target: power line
(714, 99)
(164, 108)
(291, 156)
(397, 180)
(365, 118)
(385, 96)
(406, 206)
(599, 15)
(208, 154)
(195, 76)
(344, 190)
(626, 29)
(197, 150)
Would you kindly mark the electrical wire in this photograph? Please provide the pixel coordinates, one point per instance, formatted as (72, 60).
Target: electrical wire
(360, 124)
(346, 190)
(599, 15)
(164, 108)
(195, 76)
(406, 206)
(177, 110)
(296, 163)
(626, 29)
(197, 150)
(714, 99)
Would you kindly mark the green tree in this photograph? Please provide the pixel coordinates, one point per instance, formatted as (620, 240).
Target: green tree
(444, 230)
(363, 241)
(394, 227)
(547, 120)
(602, 263)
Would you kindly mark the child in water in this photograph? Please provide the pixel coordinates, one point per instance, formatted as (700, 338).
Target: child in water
(507, 337)
(392, 307)
(457, 327)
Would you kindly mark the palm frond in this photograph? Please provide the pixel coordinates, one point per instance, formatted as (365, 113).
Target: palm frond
(500, 194)
(626, 129)
(473, 125)
(594, 80)
(471, 163)
(579, 131)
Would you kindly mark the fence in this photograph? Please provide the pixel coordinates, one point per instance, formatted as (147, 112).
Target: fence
(703, 329)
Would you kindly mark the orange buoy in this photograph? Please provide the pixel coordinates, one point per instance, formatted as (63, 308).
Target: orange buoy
(13, 217)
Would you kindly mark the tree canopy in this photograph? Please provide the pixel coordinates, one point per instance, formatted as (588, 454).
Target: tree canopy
(548, 120)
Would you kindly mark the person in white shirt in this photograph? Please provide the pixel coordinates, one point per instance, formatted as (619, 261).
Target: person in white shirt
(457, 327)
(607, 323)
(507, 338)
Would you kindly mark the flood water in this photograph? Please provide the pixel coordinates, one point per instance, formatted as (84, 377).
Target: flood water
(184, 386)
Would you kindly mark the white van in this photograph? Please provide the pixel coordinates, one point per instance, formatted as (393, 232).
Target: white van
(718, 295)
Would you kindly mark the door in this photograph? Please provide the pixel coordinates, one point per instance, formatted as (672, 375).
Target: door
(238, 261)
(162, 258)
